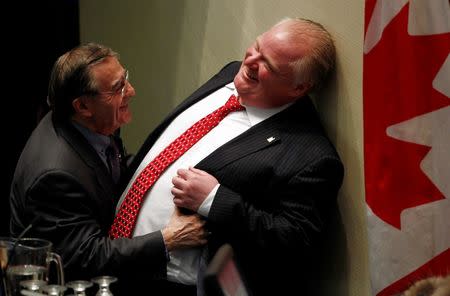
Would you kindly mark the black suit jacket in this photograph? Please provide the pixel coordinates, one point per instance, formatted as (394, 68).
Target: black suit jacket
(61, 178)
(275, 197)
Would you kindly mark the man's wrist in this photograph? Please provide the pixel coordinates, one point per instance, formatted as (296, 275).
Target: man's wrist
(205, 207)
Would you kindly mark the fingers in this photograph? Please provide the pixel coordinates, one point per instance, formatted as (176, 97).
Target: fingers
(198, 235)
(178, 185)
(203, 239)
(203, 234)
(190, 187)
(176, 191)
(183, 173)
(184, 230)
(178, 181)
(197, 171)
(178, 202)
(190, 172)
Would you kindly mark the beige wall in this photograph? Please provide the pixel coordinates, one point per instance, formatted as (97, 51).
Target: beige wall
(173, 46)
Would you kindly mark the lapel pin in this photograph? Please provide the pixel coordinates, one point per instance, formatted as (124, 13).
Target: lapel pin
(270, 139)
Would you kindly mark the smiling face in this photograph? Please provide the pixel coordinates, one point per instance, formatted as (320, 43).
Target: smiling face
(107, 110)
(266, 78)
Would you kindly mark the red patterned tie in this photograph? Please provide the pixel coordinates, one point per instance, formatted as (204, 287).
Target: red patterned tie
(125, 220)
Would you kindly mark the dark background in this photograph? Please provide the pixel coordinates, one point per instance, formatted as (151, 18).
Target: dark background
(34, 35)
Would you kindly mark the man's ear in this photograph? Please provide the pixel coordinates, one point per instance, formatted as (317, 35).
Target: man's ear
(301, 89)
(81, 108)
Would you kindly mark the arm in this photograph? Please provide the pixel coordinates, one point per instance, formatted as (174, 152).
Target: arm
(77, 223)
(292, 221)
(295, 218)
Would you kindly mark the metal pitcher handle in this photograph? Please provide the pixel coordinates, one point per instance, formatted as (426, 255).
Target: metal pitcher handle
(53, 257)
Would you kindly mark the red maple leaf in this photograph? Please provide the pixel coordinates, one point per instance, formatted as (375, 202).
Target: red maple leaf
(398, 75)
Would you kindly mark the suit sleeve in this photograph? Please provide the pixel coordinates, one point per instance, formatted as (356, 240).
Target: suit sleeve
(293, 221)
(71, 219)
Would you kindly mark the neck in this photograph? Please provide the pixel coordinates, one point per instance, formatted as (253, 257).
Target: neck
(90, 126)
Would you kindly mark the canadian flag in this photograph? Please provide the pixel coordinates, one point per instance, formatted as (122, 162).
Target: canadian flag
(406, 89)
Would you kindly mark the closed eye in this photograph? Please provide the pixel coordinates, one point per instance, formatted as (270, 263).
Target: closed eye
(267, 61)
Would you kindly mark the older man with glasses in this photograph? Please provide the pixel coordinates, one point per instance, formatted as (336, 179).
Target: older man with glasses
(66, 176)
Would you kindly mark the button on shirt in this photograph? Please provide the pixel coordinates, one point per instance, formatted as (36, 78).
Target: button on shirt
(158, 204)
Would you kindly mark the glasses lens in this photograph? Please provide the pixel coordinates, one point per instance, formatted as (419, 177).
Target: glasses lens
(122, 91)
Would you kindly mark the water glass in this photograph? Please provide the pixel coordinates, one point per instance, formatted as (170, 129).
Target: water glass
(79, 287)
(33, 285)
(54, 290)
(103, 283)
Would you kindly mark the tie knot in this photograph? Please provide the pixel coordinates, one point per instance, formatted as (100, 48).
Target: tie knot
(233, 104)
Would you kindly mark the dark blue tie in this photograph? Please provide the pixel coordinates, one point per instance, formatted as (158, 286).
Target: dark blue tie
(113, 158)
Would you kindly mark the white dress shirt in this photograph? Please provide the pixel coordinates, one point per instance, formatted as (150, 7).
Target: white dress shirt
(158, 205)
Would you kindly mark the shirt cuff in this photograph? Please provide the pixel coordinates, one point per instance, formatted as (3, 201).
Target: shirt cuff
(205, 207)
(165, 248)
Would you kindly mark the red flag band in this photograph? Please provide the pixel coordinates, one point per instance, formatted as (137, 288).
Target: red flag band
(406, 94)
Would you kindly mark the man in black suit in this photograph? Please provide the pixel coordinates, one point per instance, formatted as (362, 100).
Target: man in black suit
(66, 177)
(265, 178)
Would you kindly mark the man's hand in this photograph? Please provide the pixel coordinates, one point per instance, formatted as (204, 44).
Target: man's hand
(191, 187)
(184, 231)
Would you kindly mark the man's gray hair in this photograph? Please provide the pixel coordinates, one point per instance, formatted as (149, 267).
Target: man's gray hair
(317, 64)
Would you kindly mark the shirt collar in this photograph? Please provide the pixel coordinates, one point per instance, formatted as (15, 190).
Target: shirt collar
(98, 141)
(255, 114)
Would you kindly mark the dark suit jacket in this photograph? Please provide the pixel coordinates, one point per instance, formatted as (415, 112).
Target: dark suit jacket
(61, 178)
(275, 196)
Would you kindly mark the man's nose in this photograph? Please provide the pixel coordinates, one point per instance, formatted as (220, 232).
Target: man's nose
(130, 90)
(253, 60)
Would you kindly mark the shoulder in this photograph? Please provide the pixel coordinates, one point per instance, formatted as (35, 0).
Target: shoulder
(302, 131)
(47, 153)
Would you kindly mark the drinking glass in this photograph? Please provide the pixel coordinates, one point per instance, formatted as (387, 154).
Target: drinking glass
(103, 283)
(79, 287)
(33, 285)
(31, 293)
(54, 290)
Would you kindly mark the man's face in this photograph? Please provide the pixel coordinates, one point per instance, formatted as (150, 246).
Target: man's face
(109, 108)
(266, 79)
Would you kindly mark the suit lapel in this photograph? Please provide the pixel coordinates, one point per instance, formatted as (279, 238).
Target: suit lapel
(87, 153)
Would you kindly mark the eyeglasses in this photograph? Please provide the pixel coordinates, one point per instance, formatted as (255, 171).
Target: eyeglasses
(121, 90)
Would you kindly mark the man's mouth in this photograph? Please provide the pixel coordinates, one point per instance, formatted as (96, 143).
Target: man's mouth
(250, 75)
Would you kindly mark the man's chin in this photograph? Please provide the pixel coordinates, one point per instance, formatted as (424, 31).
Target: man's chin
(126, 118)
(237, 80)
(242, 86)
